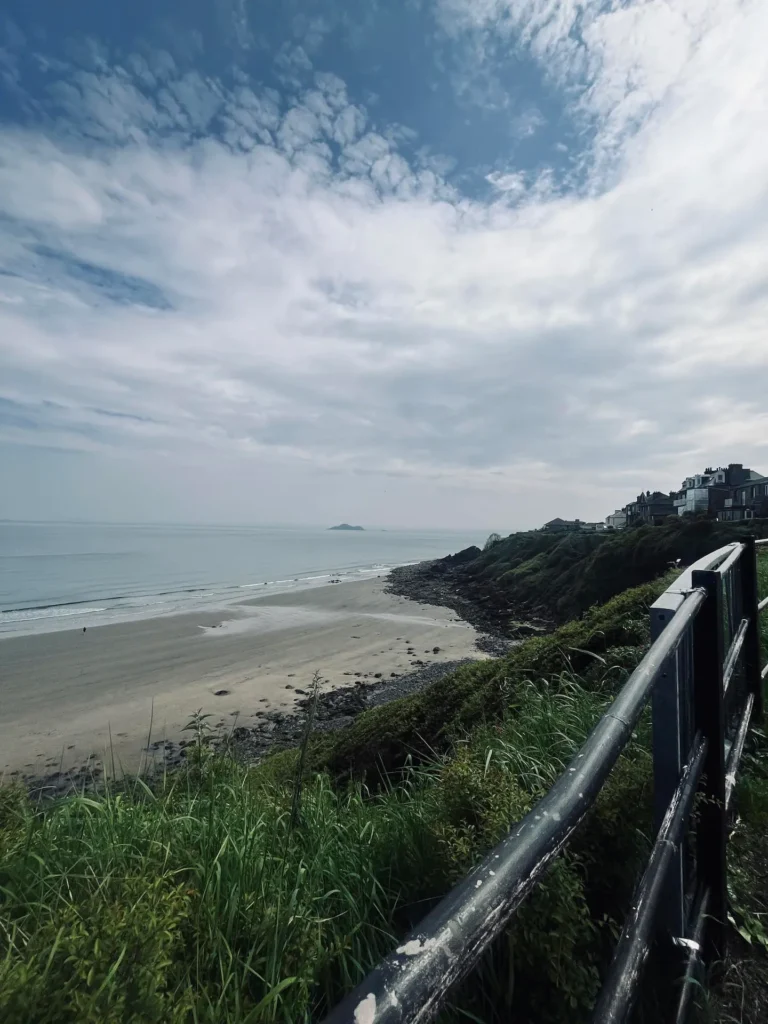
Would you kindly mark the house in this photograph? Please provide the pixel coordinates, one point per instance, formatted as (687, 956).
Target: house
(707, 492)
(729, 492)
(747, 501)
(649, 508)
(563, 525)
(571, 526)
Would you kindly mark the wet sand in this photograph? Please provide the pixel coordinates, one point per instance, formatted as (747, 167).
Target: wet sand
(67, 695)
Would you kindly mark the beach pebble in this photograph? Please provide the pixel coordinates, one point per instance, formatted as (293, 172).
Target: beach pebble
(221, 693)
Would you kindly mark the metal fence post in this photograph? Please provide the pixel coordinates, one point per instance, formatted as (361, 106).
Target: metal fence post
(711, 831)
(670, 750)
(749, 598)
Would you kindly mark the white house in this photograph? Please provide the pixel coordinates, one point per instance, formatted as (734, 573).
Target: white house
(617, 519)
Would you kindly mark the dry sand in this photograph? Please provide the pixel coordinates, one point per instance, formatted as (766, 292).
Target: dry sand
(69, 694)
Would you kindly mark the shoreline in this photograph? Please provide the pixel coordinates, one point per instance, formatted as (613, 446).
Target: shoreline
(72, 616)
(75, 702)
(481, 603)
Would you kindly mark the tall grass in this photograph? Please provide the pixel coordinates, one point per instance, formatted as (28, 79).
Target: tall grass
(762, 583)
(204, 898)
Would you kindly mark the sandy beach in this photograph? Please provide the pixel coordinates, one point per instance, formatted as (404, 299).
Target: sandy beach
(68, 695)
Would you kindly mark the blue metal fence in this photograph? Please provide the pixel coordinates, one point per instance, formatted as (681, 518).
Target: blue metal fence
(704, 676)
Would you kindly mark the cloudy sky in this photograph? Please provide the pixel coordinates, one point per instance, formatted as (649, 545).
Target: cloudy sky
(404, 262)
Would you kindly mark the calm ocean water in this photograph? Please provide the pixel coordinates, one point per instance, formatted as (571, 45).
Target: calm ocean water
(65, 576)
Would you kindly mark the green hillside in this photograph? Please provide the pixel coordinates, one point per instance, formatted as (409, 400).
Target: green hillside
(557, 577)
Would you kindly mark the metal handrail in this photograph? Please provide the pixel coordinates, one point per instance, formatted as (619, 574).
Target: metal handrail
(731, 560)
(732, 657)
(412, 982)
(737, 748)
(618, 994)
(693, 955)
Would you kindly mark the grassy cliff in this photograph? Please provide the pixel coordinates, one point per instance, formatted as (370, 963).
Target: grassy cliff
(560, 576)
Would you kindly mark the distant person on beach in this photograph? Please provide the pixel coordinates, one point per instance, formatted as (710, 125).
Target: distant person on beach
(83, 628)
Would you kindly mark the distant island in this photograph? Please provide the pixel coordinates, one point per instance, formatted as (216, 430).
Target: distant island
(346, 526)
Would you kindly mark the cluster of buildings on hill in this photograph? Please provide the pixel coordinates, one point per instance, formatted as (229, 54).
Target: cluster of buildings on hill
(727, 493)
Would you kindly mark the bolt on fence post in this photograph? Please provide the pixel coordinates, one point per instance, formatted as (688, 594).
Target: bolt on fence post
(711, 831)
(749, 601)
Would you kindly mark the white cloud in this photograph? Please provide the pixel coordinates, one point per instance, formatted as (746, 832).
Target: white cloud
(200, 99)
(513, 182)
(300, 126)
(527, 123)
(293, 64)
(363, 317)
(349, 123)
(360, 156)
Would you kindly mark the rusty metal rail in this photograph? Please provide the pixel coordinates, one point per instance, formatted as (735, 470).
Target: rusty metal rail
(699, 735)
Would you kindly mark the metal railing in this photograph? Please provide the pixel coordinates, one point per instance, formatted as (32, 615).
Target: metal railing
(703, 674)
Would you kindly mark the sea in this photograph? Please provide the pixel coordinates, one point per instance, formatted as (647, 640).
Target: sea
(57, 576)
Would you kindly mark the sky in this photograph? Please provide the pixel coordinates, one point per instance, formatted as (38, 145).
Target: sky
(428, 263)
